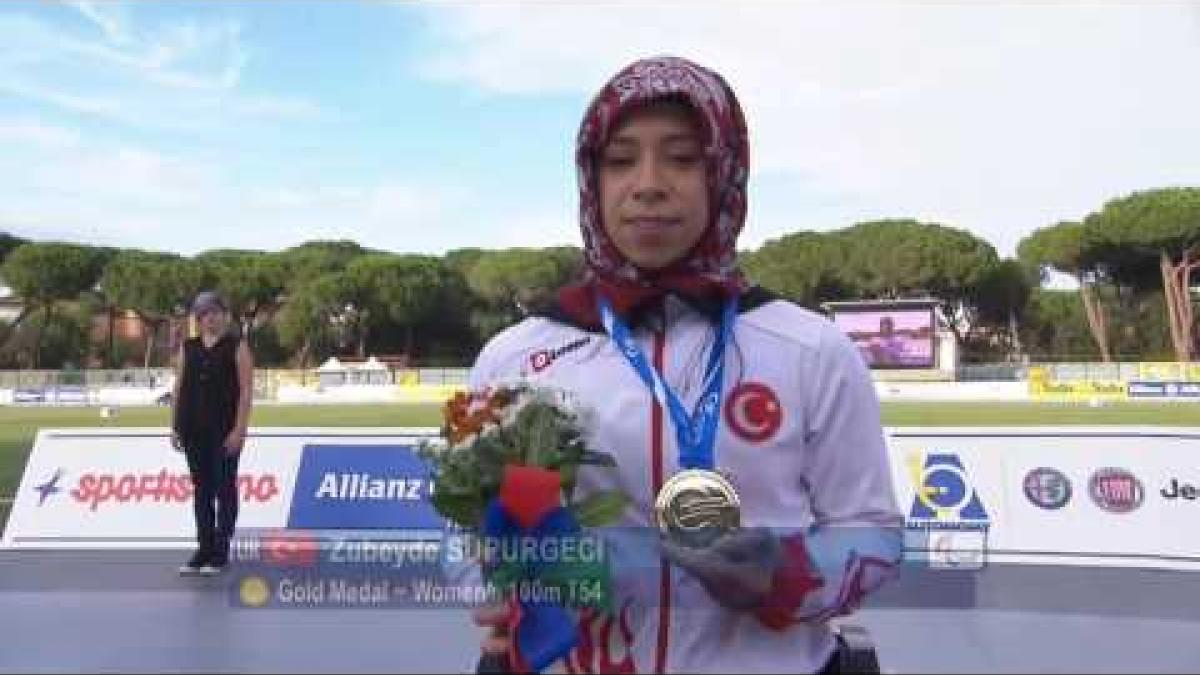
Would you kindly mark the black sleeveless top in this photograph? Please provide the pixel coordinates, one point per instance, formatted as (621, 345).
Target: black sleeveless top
(209, 392)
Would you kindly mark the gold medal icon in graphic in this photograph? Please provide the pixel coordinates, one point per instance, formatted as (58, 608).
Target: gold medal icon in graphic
(254, 591)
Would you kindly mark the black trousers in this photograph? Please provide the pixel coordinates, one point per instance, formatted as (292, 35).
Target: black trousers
(215, 499)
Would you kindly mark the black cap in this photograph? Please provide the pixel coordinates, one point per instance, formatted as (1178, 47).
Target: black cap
(208, 300)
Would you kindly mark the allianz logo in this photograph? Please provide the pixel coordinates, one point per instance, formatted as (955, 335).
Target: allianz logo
(366, 487)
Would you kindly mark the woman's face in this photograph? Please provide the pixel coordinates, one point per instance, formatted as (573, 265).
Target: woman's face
(212, 321)
(653, 187)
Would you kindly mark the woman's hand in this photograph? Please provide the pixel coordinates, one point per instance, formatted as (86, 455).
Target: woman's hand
(737, 569)
(495, 617)
(234, 441)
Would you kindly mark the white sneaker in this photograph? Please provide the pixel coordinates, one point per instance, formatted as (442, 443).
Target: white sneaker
(213, 566)
(194, 566)
(209, 570)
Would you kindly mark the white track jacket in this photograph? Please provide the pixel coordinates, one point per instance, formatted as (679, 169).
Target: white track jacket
(800, 437)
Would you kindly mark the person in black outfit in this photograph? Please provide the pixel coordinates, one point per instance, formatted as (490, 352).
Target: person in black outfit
(211, 410)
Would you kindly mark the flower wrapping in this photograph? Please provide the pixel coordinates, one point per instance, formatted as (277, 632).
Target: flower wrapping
(505, 470)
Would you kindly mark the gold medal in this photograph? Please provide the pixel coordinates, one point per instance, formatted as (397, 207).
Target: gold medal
(696, 506)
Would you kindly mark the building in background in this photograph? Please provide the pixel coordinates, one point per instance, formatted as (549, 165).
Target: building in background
(10, 305)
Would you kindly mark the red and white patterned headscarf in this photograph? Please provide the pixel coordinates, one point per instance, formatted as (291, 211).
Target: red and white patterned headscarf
(710, 268)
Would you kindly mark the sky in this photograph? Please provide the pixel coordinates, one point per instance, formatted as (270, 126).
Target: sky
(414, 127)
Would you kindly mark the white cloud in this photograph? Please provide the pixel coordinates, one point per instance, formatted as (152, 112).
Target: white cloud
(533, 229)
(102, 106)
(63, 185)
(176, 75)
(102, 193)
(33, 133)
(110, 17)
(184, 54)
(997, 118)
(276, 108)
(191, 55)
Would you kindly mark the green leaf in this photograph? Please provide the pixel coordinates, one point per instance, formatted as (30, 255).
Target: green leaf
(505, 574)
(567, 474)
(600, 508)
(463, 510)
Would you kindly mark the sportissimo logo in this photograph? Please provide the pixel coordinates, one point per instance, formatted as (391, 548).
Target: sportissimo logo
(94, 489)
(50, 487)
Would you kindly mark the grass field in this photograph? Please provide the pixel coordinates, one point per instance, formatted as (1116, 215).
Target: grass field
(19, 425)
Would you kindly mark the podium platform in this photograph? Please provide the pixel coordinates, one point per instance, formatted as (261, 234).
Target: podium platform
(130, 612)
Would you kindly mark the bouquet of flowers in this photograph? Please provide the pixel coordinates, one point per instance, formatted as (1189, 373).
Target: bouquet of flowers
(505, 470)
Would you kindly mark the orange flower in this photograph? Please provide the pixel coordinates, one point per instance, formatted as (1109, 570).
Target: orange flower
(466, 414)
(456, 408)
(500, 399)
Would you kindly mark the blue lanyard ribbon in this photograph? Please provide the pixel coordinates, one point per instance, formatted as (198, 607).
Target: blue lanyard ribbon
(696, 433)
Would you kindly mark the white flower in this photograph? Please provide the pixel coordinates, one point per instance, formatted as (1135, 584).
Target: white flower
(524, 396)
(466, 443)
(476, 405)
(489, 429)
(515, 385)
(581, 415)
(435, 448)
(510, 416)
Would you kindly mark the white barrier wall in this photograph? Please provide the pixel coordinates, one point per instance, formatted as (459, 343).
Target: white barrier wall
(130, 395)
(349, 393)
(83, 396)
(952, 391)
(99, 488)
(1113, 496)
(366, 393)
